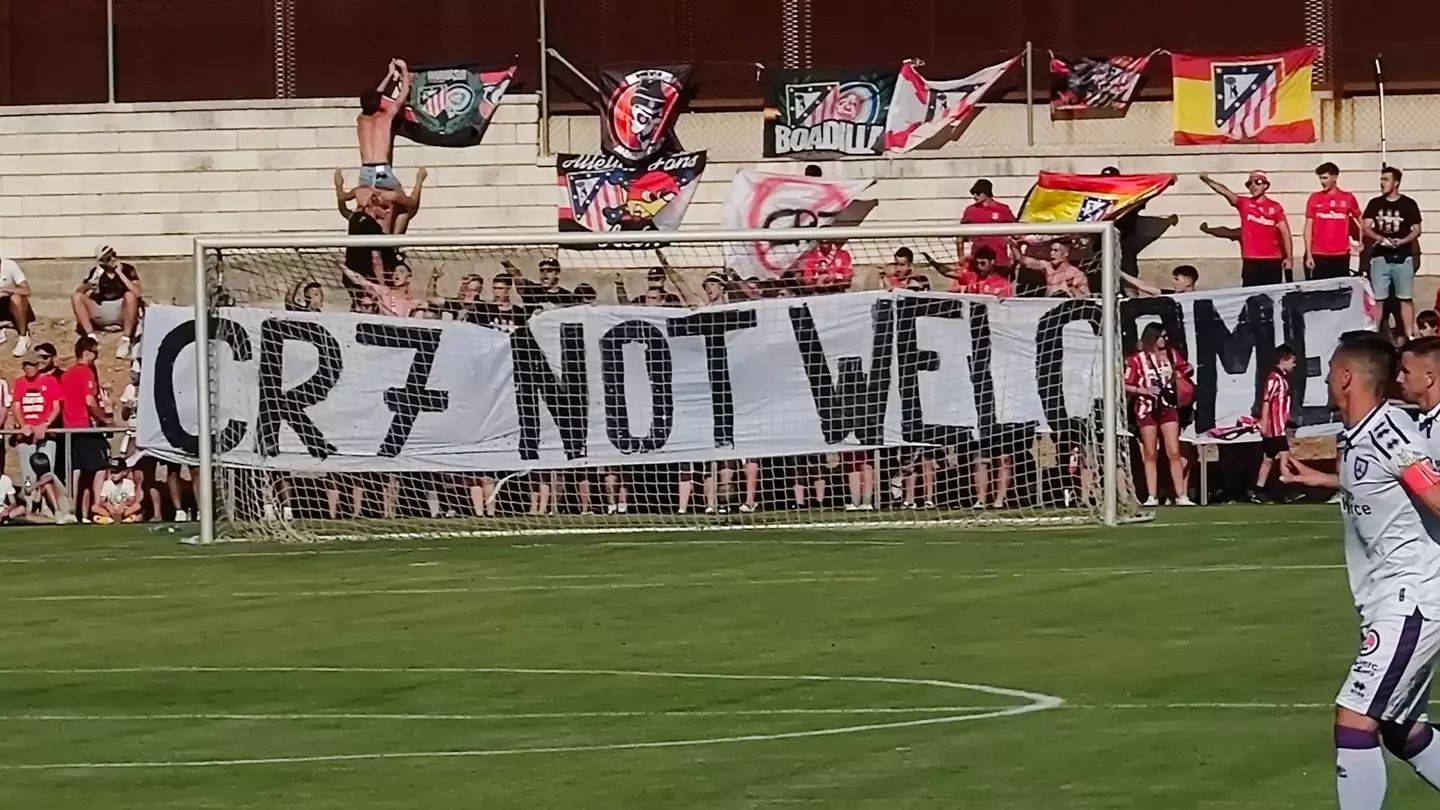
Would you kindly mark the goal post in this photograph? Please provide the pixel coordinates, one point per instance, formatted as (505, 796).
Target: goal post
(1041, 374)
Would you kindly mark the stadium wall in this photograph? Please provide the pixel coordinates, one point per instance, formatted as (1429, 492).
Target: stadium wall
(147, 176)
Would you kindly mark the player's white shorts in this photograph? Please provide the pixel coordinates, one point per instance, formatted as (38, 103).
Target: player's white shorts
(1390, 678)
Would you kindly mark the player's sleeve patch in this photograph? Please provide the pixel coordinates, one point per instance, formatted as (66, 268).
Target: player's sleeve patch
(1419, 475)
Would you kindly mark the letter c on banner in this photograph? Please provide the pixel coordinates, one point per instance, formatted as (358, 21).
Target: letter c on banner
(162, 386)
(659, 367)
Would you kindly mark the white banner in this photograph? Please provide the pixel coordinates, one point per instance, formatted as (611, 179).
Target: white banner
(759, 200)
(604, 386)
(921, 109)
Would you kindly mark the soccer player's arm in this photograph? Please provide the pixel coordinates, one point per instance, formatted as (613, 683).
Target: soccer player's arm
(1294, 471)
(1420, 478)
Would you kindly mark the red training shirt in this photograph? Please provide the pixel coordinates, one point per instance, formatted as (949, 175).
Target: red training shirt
(77, 383)
(993, 284)
(990, 212)
(37, 397)
(1331, 214)
(1260, 228)
(835, 262)
(1277, 395)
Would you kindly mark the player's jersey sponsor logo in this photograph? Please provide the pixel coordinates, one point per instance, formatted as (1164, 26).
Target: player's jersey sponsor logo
(1369, 642)
(1365, 668)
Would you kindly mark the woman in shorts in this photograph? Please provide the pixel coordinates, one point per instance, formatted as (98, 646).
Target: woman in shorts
(1154, 375)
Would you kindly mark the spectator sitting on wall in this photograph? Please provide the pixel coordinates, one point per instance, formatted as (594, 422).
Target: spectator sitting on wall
(1062, 279)
(986, 210)
(1266, 245)
(375, 128)
(15, 290)
(109, 296)
(392, 208)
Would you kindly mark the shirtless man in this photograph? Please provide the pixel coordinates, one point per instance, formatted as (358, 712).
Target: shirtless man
(374, 128)
(1062, 279)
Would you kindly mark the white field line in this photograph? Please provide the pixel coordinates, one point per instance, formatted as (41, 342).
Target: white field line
(1034, 702)
(492, 716)
(709, 581)
(202, 556)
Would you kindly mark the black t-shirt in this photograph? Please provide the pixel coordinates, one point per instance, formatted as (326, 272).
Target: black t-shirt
(537, 296)
(358, 259)
(1393, 219)
(105, 284)
(504, 319)
(467, 311)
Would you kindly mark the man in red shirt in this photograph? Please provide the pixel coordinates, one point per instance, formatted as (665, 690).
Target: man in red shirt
(1266, 252)
(89, 452)
(35, 406)
(985, 278)
(827, 267)
(986, 210)
(1330, 213)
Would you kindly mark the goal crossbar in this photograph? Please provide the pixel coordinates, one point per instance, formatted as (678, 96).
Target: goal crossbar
(1108, 241)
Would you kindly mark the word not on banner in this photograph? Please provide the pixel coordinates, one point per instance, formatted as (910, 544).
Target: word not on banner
(605, 386)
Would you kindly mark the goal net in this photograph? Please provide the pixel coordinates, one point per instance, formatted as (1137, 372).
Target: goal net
(561, 383)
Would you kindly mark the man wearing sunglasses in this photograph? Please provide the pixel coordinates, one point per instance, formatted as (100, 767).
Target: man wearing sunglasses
(1266, 249)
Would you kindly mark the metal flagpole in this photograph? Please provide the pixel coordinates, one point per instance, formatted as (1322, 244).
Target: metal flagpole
(1380, 82)
(544, 85)
(1029, 94)
(110, 49)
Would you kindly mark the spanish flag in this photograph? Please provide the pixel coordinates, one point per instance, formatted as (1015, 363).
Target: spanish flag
(1244, 99)
(1060, 197)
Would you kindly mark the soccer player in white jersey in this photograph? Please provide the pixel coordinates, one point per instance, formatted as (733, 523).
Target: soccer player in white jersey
(1386, 482)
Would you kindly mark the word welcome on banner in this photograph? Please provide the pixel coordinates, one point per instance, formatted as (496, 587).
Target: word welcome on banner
(600, 386)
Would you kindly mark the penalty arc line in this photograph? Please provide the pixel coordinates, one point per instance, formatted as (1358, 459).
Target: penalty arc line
(1037, 702)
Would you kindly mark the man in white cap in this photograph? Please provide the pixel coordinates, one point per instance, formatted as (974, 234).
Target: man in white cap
(15, 292)
(109, 296)
(1266, 245)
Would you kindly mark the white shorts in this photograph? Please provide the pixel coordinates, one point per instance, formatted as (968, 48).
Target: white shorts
(1390, 678)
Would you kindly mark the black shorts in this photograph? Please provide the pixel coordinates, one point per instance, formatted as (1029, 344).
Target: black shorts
(1273, 446)
(89, 452)
(1331, 267)
(1261, 272)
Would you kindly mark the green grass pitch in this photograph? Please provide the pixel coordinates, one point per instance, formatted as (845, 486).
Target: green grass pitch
(1196, 658)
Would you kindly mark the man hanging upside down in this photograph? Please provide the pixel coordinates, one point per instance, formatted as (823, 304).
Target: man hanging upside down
(374, 127)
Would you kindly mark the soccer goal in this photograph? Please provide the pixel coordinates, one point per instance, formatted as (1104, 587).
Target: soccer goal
(556, 383)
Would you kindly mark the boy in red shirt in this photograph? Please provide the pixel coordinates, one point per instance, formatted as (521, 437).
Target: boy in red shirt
(89, 452)
(986, 210)
(827, 267)
(1330, 214)
(1266, 252)
(1274, 418)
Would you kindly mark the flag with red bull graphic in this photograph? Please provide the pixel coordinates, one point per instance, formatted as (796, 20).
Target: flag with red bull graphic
(640, 110)
(921, 109)
(816, 113)
(600, 193)
(450, 106)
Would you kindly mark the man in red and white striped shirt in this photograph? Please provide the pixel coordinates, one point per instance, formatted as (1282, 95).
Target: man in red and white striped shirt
(1274, 417)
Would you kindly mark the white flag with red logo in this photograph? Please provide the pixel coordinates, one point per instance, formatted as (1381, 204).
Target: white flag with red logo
(920, 109)
(759, 200)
